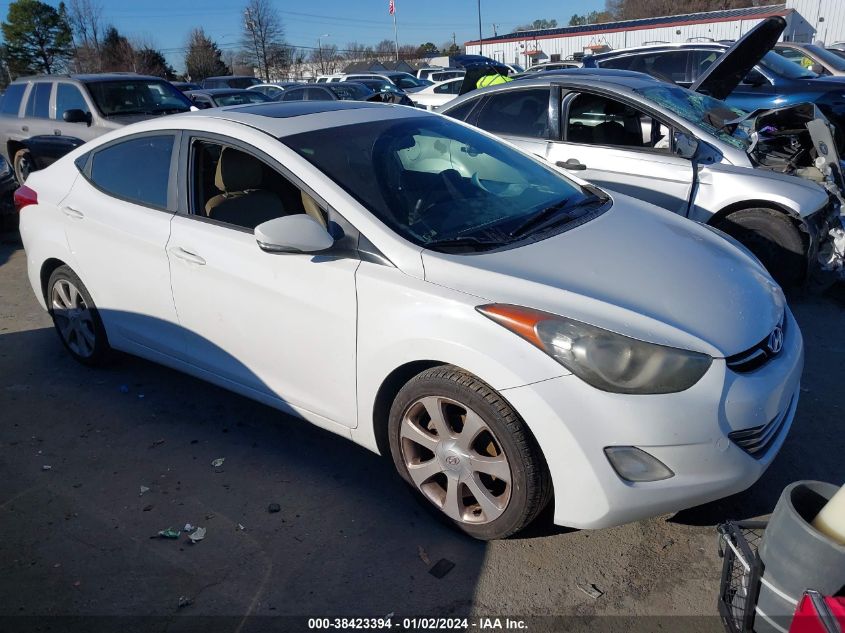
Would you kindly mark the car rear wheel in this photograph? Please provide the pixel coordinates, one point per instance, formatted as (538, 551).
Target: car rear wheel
(23, 165)
(76, 318)
(468, 453)
(773, 238)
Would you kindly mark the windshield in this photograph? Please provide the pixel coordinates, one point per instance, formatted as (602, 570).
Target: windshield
(434, 181)
(826, 56)
(349, 92)
(779, 65)
(704, 112)
(409, 81)
(137, 96)
(237, 98)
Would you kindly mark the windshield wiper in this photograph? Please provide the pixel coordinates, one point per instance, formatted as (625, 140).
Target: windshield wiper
(474, 242)
(547, 217)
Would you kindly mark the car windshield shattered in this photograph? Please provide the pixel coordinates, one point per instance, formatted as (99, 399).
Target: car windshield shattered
(138, 96)
(443, 186)
(714, 116)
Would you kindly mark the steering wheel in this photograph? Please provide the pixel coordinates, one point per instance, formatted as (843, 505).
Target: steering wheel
(476, 181)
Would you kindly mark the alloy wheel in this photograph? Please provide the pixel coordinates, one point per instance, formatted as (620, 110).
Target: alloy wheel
(455, 460)
(73, 318)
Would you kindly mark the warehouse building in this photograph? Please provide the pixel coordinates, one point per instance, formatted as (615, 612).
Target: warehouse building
(807, 20)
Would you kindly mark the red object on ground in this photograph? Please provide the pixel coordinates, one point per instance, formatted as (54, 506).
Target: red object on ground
(818, 614)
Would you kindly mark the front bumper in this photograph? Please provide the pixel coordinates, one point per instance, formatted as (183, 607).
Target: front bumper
(687, 431)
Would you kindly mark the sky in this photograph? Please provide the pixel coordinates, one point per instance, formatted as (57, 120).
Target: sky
(167, 23)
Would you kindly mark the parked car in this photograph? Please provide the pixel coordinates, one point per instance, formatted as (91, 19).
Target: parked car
(445, 75)
(403, 81)
(184, 86)
(546, 66)
(682, 151)
(334, 91)
(753, 77)
(230, 81)
(275, 89)
(42, 118)
(437, 95)
(816, 58)
(8, 184)
(322, 79)
(387, 91)
(217, 97)
(423, 73)
(504, 332)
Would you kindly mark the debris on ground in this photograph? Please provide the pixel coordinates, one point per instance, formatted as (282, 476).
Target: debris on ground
(198, 535)
(147, 508)
(209, 516)
(46, 467)
(188, 527)
(423, 555)
(168, 533)
(669, 543)
(217, 463)
(158, 442)
(591, 590)
(143, 490)
(273, 508)
(441, 568)
(184, 601)
(241, 527)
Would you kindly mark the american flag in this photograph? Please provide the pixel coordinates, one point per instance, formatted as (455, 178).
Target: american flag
(391, 8)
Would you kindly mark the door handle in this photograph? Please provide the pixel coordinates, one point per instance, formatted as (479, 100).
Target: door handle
(188, 256)
(572, 164)
(70, 212)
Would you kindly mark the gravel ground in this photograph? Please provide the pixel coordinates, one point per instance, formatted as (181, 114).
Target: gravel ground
(349, 539)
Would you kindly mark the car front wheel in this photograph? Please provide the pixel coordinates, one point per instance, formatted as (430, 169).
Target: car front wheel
(76, 318)
(468, 453)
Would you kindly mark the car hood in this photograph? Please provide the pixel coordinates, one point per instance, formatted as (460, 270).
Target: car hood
(636, 270)
(725, 74)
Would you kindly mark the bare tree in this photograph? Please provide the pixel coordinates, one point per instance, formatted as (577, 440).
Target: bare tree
(86, 21)
(263, 33)
(636, 9)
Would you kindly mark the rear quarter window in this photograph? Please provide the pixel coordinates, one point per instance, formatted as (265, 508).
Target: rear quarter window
(11, 103)
(137, 170)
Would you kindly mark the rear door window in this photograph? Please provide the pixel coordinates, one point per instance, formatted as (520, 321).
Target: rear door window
(11, 103)
(522, 113)
(38, 105)
(666, 65)
(136, 170)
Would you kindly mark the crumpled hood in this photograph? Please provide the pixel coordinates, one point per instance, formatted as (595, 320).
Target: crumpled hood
(636, 270)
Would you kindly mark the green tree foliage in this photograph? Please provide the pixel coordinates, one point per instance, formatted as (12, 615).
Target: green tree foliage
(636, 9)
(116, 53)
(593, 17)
(427, 50)
(536, 25)
(38, 38)
(203, 58)
(149, 61)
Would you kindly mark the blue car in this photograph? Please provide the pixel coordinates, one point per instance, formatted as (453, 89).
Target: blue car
(747, 75)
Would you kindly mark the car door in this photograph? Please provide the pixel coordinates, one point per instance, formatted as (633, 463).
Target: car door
(624, 148)
(117, 222)
(280, 326)
(36, 124)
(519, 115)
(60, 137)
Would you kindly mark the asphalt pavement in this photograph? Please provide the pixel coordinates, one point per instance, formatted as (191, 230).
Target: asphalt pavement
(77, 445)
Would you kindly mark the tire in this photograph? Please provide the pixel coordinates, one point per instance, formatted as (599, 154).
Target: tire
(76, 318)
(497, 441)
(773, 238)
(23, 165)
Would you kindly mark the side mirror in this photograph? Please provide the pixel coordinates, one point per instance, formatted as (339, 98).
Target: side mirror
(685, 145)
(76, 115)
(298, 233)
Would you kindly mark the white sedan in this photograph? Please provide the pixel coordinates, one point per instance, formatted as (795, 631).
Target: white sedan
(437, 95)
(506, 333)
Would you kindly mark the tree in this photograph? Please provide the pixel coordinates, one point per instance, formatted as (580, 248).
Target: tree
(150, 61)
(85, 17)
(262, 35)
(356, 51)
(427, 50)
(116, 53)
(385, 50)
(593, 17)
(203, 58)
(537, 25)
(38, 38)
(636, 9)
(450, 48)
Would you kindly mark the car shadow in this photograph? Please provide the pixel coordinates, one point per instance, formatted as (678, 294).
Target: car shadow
(98, 461)
(10, 241)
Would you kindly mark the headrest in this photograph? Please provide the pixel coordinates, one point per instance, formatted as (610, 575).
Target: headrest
(237, 171)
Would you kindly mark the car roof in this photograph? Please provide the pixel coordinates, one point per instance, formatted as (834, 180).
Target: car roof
(221, 91)
(284, 118)
(625, 78)
(230, 77)
(659, 47)
(91, 78)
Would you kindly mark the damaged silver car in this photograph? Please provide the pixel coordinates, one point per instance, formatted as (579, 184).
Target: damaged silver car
(771, 179)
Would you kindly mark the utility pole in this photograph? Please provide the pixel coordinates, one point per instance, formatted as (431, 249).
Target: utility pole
(480, 38)
(320, 49)
(495, 30)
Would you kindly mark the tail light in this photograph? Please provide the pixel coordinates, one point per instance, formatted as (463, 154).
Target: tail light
(24, 196)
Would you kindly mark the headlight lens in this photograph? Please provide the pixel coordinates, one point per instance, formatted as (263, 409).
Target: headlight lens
(606, 360)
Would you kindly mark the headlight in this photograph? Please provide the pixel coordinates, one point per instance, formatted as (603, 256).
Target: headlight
(606, 360)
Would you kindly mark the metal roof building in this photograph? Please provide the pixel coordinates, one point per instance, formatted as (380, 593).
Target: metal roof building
(527, 48)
